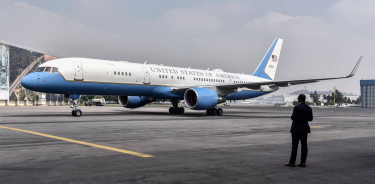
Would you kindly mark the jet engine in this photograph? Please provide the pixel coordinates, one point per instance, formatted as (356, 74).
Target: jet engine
(202, 98)
(133, 101)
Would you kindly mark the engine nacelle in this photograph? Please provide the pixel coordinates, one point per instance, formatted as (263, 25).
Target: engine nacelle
(133, 101)
(200, 98)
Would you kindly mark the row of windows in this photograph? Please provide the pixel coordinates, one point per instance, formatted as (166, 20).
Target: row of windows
(166, 77)
(47, 69)
(241, 82)
(123, 73)
(208, 80)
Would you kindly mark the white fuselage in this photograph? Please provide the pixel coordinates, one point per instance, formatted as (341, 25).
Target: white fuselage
(122, 72)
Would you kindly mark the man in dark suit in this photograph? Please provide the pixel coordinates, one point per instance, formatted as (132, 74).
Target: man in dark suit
(302, 114)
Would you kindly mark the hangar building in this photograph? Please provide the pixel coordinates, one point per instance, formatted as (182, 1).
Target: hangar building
(368, 93)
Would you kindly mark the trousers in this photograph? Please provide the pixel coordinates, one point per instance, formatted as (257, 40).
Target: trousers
(295, 140)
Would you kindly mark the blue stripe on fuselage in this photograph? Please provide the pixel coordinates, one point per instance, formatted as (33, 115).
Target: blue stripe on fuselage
(55, 83)
(242, 95)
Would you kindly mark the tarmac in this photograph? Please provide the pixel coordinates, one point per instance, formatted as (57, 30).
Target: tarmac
(148, 145)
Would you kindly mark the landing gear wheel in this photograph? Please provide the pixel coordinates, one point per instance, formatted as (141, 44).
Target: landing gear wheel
(220, 111)
(171, 110)
(74, 113)
(181, 110)
(214, 111)
(208, 112)
(78, 112)
(176, 110)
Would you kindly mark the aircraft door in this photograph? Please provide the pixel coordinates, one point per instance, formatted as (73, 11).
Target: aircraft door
(146, 73)
(78, 71)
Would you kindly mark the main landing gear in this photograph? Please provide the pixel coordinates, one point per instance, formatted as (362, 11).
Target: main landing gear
(175, 109)
(76, 111)
(214, 111)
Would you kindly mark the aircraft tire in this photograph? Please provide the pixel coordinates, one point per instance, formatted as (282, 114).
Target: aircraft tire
(208, 112)
(74, 113)
(220, 111)
(176, 110)
(214, 111)
(171, 110)
(78, 113)
(181, 110)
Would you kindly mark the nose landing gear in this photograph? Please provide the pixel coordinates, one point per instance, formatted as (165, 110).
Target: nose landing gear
(175, 109)
(76, 111)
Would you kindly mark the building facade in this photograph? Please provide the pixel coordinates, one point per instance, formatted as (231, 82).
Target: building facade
(368, 93)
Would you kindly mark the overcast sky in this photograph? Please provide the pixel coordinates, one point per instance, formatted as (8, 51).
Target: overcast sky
(321, 38)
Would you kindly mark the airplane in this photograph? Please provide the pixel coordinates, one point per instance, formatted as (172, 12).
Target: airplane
(138, 84)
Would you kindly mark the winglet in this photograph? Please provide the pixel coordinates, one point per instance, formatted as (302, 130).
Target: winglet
(355, 68)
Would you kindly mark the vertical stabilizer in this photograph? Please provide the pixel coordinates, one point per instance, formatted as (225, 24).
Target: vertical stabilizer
(268, 65)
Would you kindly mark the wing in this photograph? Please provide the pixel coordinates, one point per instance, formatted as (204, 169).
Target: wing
(258, 85)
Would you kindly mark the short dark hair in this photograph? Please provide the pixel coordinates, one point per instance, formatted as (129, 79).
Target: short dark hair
(302, 97)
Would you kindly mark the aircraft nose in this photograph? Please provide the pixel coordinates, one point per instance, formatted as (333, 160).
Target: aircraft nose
(28, 81)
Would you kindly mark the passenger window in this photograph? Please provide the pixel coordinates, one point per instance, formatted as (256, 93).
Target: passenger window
(184, 78)
(118, 73)
(130, 74)
(55, 70)
(166, 76)
(48, 70)
(178, 77)
(171, 77)
(126, 73)
(159, 76)
(39, 69)
(115, 72)
(122, 73)
(163, 76)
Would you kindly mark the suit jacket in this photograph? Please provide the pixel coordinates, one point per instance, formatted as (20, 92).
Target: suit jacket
(301, 116)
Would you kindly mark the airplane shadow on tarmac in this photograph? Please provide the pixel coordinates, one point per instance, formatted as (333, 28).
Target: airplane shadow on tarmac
(147, 116)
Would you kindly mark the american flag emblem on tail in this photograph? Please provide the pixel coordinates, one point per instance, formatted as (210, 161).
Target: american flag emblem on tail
(274, 58)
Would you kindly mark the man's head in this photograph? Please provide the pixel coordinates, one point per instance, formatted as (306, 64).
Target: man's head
(301, 98)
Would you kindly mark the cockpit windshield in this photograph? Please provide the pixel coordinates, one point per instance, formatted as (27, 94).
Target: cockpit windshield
(47, 69)
(39, 69)
(55, 70)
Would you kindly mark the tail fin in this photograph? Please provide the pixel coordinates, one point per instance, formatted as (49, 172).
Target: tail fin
(267, 68)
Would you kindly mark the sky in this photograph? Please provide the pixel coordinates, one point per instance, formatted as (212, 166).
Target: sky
(322, 38)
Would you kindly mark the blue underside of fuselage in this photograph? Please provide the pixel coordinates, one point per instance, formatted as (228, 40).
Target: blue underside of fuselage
(55, 83)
